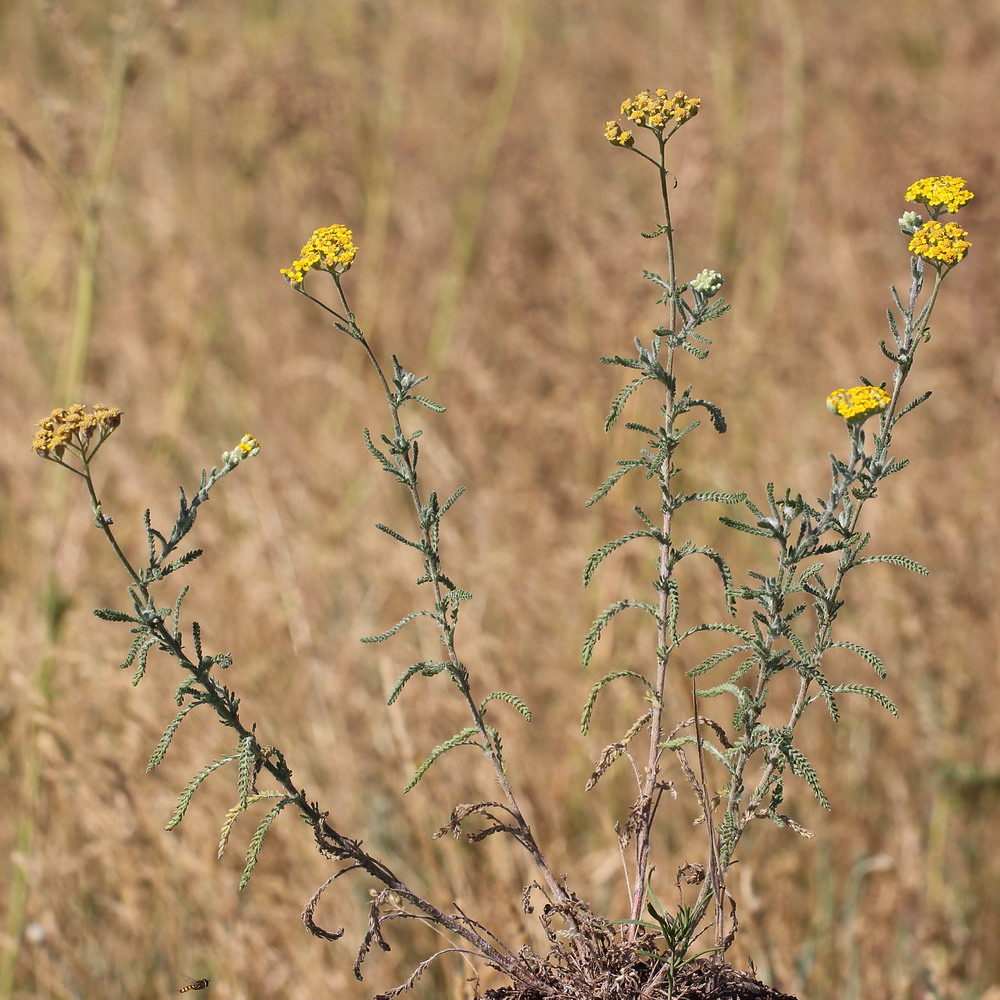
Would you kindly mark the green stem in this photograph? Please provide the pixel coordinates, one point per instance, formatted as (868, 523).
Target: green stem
(648, 798)
(103, 522)
(445, 618)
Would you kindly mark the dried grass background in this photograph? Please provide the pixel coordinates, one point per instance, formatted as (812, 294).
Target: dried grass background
(500, 254)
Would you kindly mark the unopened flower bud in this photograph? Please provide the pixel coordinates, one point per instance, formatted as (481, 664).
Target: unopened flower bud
(910, 222)
(708, 282)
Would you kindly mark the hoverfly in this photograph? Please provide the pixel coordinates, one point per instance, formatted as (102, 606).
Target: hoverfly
(195, 984)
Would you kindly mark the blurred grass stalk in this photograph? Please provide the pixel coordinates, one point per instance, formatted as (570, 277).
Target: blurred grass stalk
(473, 199)
(83, 205)
(733, 25)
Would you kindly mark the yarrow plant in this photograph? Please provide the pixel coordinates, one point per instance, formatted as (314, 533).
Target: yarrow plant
(782, 620)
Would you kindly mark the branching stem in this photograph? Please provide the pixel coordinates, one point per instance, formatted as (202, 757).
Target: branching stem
(446, 615)
(741, 809)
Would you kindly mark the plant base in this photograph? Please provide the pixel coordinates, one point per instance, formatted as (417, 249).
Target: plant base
(700, 980)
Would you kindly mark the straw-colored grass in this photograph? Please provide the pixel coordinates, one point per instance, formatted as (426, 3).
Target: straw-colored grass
(500, 254)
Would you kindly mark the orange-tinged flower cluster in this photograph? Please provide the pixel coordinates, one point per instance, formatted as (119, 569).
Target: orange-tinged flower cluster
(858, 403)
(74, 428)
(655, 109)
(940, 243)
(330, 249)
(946, 193)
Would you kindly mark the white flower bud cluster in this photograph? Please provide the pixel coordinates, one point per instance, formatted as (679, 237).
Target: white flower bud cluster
(910, 222)
(707, 282)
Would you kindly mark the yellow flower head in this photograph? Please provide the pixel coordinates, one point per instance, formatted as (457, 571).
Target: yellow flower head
(247, 447)
(944, 193)
(614, 133)
(331, 249)
(940, 243)
(74, 428)
(858, 403)
(655, 109)
(248, 443)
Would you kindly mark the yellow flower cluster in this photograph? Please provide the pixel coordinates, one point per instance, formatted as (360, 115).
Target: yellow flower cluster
(614, 133)
(654, 109)
(945, 192)
(247, 447)
(248, 443)
(331, 249)
(858, 403)
(940, 242)
(73, 428)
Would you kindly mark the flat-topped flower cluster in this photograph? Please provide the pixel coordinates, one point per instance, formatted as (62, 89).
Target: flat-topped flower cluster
(329, 249)
(74, 427)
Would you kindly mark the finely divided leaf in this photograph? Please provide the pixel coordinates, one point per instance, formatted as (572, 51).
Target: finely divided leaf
(718, 419)
(191, 787)
(912, 406)
(380, 457)
(430, 404)
(446, 506)
(399, 538)
(715, 497)
(168, 735)
(463, 738)
(176, 630)
(248, 758)
(602, 620)
(427, 668)
(894, 560)
(866, 654)
(235, 813)
(802, 768)
(869, 692)
(508, 698)
(716, 658)
(606, 549)
(140, 668)
(624, 468)
(110, 615)
(618, 404)
(588, 710)
(742, 526)
(382, 636)
(257, 840)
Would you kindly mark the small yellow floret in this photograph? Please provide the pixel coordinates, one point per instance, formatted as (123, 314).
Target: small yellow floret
(858, 403)
(331, 249)
(614, 133)
(945, 192)
(940, 242)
